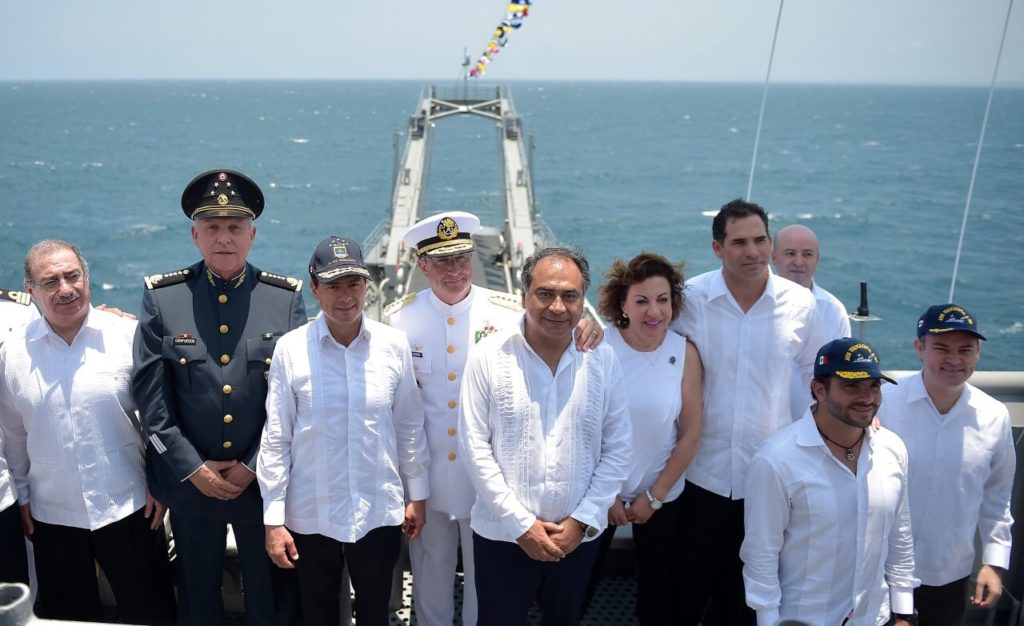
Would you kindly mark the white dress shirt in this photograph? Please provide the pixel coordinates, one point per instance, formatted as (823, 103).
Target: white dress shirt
(73, 438)
(835, 324)
(343, 446)
(539, 445)
(822, 543)
(748, 362)
(961, 477)
(12, 317)
(654, 389)
(441, 337)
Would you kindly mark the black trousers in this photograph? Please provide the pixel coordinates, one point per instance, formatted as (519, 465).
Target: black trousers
(658, 547)
(943, 605)
(200, 547)
(712, 572)
(507, 581)
(133, 557)
(14, 564)
(370, 562)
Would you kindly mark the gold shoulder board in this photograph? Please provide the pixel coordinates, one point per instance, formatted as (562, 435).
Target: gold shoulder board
(21, 297)
(506, 300)
(283, 282)
(156, 281)
(397, 305)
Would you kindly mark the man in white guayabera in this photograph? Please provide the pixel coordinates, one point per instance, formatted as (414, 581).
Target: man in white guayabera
(545, 434)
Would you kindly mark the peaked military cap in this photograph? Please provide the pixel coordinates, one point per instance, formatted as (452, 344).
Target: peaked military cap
(222, 193)
(443, 234)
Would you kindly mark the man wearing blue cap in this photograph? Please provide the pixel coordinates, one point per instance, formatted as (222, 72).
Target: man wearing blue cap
(202, 353)
(961, 467)
(828, 537)
(444, 323)
(343, 459)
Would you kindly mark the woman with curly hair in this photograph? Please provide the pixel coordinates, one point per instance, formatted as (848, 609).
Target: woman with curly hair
(663, 374)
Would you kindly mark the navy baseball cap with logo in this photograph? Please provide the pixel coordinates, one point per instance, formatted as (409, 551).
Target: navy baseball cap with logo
(222, 193)
(947, 318)
(849, 359)
(336, 257)
(444, 234)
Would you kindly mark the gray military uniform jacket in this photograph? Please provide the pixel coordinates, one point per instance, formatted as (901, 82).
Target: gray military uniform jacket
(202, 353)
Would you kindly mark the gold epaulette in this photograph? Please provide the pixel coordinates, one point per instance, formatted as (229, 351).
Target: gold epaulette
(284, 282)
(506, 300)
(21, 297)
(156, 281)
(397, 305)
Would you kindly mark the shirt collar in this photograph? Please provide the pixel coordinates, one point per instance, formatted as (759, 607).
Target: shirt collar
(39, 328)
(718, 289)
(917, 392)
(459, 307)
(227, 284)
(323, 333)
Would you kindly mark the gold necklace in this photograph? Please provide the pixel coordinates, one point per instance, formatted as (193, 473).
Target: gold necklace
(849, 449)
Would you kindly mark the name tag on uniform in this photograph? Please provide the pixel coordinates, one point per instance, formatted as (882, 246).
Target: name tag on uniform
(184, 341)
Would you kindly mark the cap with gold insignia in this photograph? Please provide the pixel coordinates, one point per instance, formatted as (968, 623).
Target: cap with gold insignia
(443, 234)
(946, 318)
(222, 193)
(336, 257)
(850, 359)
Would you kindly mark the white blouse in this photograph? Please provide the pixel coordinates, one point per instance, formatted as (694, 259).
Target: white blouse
(653, 385)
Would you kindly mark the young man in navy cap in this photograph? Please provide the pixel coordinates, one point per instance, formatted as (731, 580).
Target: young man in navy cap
(343, 458)
(444, 323)
(828, 537)
(202, 352)
(961, 467)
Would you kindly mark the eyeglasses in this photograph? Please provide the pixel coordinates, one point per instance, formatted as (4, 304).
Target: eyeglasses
(51, 285)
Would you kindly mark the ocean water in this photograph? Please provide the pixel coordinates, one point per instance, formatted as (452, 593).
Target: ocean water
(880, 173)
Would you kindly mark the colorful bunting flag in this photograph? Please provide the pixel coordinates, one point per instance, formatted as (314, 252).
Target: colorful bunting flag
(515, 12)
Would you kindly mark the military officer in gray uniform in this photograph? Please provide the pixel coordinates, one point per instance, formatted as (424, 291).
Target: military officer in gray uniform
(202, 352)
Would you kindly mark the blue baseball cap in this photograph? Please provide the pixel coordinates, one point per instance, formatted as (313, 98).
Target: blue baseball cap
(849, 359)
(946, 318)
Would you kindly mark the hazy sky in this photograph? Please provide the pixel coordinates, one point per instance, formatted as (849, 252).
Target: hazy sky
(877, 41)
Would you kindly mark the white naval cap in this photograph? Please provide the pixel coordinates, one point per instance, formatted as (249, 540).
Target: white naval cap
(443, 234)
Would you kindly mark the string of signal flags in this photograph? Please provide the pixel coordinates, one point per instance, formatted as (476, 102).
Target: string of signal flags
(515, 13)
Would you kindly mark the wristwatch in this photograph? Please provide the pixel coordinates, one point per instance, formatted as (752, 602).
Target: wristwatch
(910, 618)
(589, 531)
(655, 503)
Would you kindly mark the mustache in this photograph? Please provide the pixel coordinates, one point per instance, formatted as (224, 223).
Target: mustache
(71, 297)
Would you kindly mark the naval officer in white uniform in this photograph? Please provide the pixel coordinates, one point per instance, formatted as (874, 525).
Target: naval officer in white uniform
(443, 323)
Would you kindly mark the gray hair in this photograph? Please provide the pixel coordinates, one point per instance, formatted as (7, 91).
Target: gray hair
(574, 255)
(52, 245)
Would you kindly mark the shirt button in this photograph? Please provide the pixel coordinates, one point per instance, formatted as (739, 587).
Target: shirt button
(225, 359)
(451, 456)
(227, 389)
(267, 360)
(227, 420)
(451, 321)
(451, 375)
(451, 432)
(451, 349)
(222, 298)
(182, 360)
(223, 329)
(452, 404)
(227, 444)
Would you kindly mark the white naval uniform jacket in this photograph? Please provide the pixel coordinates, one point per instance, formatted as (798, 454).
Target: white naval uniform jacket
(441, 336)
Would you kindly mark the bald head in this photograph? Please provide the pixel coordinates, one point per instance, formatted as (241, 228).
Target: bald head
(795, 254)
